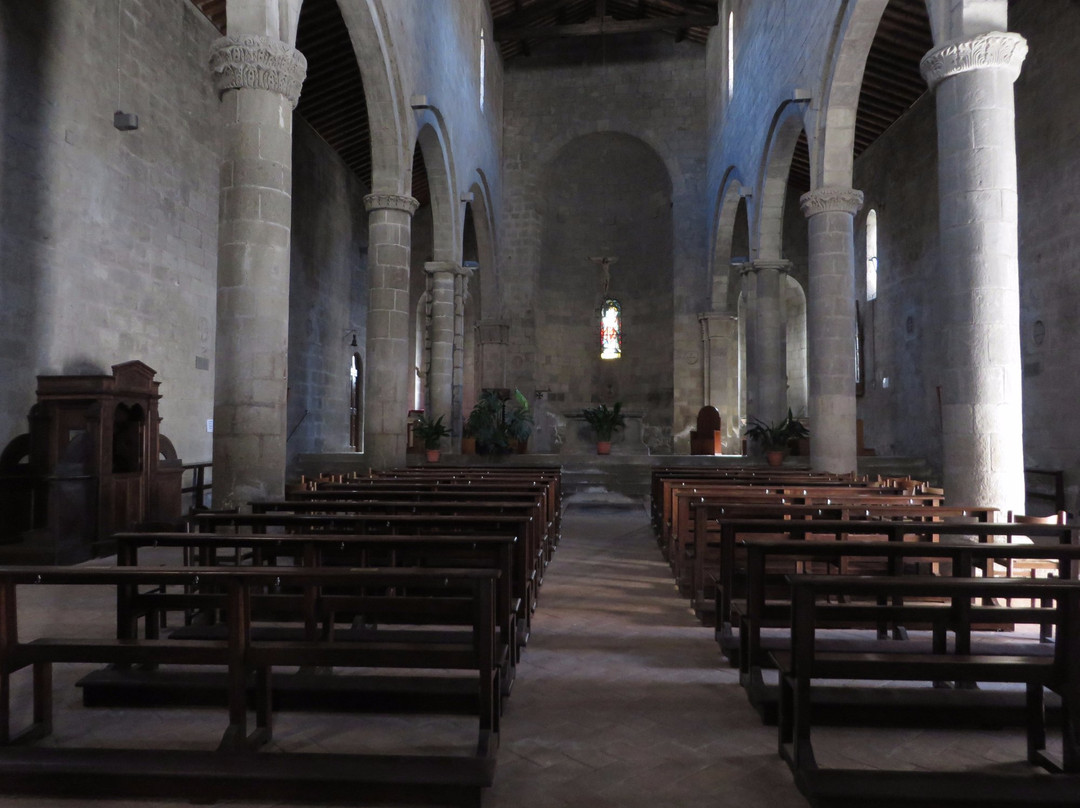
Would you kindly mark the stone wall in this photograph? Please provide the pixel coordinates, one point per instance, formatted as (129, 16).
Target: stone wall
(1048, 145)
(606, 196)
(901, 327)
(589, 87)
(327, 294)
(109, 238)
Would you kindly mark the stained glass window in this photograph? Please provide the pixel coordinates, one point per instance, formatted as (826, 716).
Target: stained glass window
(610, 330)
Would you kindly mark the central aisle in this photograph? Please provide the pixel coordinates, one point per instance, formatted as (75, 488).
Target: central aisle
(622, 698)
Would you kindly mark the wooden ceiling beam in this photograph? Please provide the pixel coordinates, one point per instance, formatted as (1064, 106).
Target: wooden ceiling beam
(606, 27)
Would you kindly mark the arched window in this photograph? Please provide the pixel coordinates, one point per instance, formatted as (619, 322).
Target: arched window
(610, 330)
(730, 53)
(356, 404)
(871, 255)
(483, 66)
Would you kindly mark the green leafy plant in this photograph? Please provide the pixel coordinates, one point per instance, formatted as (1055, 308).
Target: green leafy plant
(430, 431)
(498, 417)
(604, 421)
(774, 437)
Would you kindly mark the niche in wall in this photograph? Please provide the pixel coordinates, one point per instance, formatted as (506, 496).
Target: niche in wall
(607, 195)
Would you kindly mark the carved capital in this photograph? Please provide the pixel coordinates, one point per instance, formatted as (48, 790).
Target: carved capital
(829, 200)
(390, 202)
(257, 63)
(1002, 49)
(780, 265)
(449, 267)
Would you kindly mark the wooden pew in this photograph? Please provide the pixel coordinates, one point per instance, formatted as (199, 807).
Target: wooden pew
(320, 550)
(548, 486)
(703, 550)
(804, 666)
(681, 535)
(527, 566)
(207, 775)
(731, 585)
(764, 608)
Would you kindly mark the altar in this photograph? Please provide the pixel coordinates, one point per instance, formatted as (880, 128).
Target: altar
(577, 437)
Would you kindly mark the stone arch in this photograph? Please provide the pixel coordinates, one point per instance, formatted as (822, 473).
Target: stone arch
(487, 284)
(663, 149)
(433, 144)
(784, 131)
(607, 195)
(387, 104)
(725, 286)
(795, 344)
(835, 131)
(260, 18)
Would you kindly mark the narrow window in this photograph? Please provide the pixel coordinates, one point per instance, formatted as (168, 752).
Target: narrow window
(871, 255)
(730, 53)
(610, 330)
(356, 404)
(483, 66)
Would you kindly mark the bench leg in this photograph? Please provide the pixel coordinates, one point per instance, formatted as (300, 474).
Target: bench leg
(43, 699)
(1036, 724)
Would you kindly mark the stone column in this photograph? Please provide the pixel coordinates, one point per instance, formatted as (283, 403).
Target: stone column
(982, 415)
(441, 285)
(748, 281)
(389, 366)
(461, 292)
(720, 337)
(258, 80)
(831, 327)
(771, 358)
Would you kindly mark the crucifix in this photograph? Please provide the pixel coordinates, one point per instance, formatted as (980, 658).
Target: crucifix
(604, 263)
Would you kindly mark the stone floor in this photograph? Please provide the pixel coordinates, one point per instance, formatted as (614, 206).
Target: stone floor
(622, 699)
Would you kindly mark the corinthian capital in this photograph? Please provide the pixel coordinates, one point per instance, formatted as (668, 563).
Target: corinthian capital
(390, 202)
(829, 200)
(1003, 49)
(257, 63)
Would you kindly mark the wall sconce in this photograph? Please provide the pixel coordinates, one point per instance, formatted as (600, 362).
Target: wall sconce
(353, 343)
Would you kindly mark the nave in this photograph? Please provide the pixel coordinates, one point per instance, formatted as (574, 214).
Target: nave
(622, 700)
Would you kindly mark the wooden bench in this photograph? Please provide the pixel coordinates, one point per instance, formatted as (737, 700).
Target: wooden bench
(703, 557)
(764, 608)
(208, 775)
(805, 665)
(527, 561)
(204, 549)
(729, 585)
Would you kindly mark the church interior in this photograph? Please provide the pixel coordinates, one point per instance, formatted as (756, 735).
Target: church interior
(262, 255)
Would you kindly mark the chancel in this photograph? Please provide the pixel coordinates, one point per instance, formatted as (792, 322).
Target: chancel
(311, 240)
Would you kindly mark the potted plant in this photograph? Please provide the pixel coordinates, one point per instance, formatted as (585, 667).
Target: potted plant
(604, 422)
(499, 418)
(518, 420)
(431, 432)
(773, 437)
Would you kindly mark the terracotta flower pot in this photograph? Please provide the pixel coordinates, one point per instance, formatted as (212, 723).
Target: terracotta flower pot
(433, 455)
(775, 458)
(603, 447)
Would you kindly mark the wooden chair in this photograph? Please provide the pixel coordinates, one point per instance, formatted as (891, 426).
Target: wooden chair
(706, 439)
